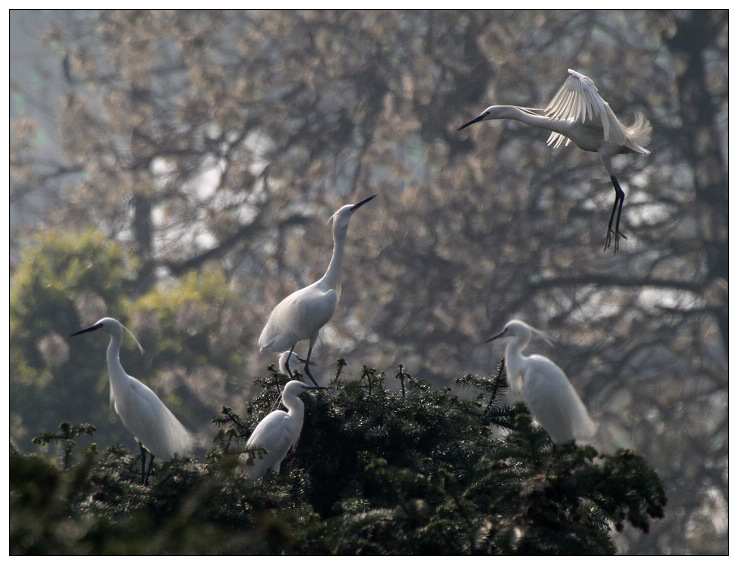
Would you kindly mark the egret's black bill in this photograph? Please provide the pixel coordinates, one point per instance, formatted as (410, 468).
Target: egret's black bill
(358, 205)
(90, 329)
(474, 121)
(499, 335)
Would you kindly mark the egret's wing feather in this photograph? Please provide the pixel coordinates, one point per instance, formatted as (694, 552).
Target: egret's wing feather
(282, 331)
(298, 317)
(151, 422)
(556, 139)
(578, 99)
(274, 433)
(317, 309)
(553, 401)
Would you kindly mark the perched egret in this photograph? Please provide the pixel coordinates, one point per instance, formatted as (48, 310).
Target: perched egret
(288, 357)
(301, 315)
(153, 426)
(278, 432)
(577, 113)
(544, 388)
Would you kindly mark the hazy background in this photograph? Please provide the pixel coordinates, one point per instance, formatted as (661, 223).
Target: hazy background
(176, 170)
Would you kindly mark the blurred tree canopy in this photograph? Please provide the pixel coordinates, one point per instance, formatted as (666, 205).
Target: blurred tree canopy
(198, 156)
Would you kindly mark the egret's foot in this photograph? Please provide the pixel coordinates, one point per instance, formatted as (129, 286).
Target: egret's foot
(608, 239)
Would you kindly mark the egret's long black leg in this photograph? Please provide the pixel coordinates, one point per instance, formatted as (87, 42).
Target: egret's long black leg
(151, 462)
(617, 205)
(145, 474)
(620, 211)
(287, 362)
(307, 366)
(143, 463)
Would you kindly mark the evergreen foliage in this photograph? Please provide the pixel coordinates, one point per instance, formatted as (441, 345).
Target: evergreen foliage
(408, 471)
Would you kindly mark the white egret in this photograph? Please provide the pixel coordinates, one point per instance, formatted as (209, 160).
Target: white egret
(577, 113)
(292, 357)
(278, 432)
(301, 315)
(152, 424)
(544, 387)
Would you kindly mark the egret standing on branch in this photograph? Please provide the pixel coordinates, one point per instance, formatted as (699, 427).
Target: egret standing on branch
(155, 428)
(301, 315)
(544, 387)
(278, 432)
(577, 113)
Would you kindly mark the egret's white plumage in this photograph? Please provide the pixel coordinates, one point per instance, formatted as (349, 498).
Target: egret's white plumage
(292, 357)
(278, 432)
(544, 388)
(578, 113)
(143, 414)
(301, 315)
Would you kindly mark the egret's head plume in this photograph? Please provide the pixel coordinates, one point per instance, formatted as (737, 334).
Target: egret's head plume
(113, 327)
(130, 333)
(519, 328)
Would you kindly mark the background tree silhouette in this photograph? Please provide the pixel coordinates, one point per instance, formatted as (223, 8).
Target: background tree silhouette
(207, 150)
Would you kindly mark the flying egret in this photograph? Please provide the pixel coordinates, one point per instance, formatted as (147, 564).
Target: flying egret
(544, 387)
(278, 432)
(577, 113)
(301, 315)
(153, 426)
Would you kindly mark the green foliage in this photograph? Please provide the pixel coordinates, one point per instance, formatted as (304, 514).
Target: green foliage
(194, 328)
(191, 330)
(186, 312)
(62, 277)
(411, 471)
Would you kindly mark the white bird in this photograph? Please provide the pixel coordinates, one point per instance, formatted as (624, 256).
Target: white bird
(293, 358)
(544, 387)
(152, 424)
(301, 315)
(577, 113)
(278, 432)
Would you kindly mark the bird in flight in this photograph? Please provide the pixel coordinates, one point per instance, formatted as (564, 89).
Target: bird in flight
(578, 113)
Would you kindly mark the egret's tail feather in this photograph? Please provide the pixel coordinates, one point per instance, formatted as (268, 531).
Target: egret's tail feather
(640, 132)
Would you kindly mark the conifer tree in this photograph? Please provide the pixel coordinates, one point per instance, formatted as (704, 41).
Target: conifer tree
(414, 470)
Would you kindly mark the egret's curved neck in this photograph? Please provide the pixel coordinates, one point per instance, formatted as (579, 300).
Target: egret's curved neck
(527, 116)
(294, 406)
(332, 277)
(296, 410)
(515, 359)
(117, 374)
